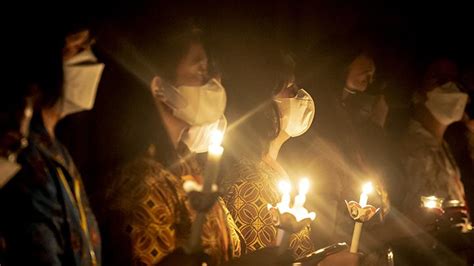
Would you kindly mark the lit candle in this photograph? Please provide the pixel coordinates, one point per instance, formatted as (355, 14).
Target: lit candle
(431, 202)
(302, 191)
(285, 189)
(297, 211)
(214, 154)
(367, 188)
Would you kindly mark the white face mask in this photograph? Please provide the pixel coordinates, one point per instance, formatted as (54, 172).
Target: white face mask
(198, 138)
(81, 79)
(297, 113)
(8, 169)
(196, 105)
(446, 103)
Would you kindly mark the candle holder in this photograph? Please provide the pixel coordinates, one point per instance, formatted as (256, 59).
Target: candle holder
(360, 214)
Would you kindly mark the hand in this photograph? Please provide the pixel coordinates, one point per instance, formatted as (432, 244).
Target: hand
(454, 219)
(202, 202)
(341, 258)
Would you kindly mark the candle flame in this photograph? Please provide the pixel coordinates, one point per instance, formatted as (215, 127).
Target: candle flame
(431, 202)
(216, 137)
(367, 188)
(285, 187)
(303, 186)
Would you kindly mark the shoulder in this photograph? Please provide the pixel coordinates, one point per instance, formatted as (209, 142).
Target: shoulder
(139, 177)
(245, 170)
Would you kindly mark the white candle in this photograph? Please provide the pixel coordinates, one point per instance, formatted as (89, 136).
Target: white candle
(367, 188)
(285, 189)
(303, 188)
(214, 154)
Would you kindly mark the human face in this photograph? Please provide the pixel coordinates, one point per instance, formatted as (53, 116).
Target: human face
(192, 70)
(361, 73)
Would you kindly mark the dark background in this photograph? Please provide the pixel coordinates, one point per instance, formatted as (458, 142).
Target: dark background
(405, 35)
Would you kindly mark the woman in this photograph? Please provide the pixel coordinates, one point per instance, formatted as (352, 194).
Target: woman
(50, 222)
(148, 216)
(251, 182)
(347, 148)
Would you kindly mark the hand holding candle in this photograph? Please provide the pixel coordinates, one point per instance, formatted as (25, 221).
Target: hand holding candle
(291, 219)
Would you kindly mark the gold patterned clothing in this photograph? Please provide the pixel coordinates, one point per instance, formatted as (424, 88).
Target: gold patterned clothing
(250, 187)
(157, 217)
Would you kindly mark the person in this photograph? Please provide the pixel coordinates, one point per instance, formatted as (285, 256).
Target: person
(50, 222)
(460, 137)
(276, 111)
(346, 147)
(251, 182)
(147, 214)
(427, 158)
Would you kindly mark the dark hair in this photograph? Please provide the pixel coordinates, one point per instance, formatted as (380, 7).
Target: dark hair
(162, 47)
(258, 121)
(34, 68)
(125, 94)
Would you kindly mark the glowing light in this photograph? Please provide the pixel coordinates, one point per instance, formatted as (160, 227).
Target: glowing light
(368, 188)
(216, 137)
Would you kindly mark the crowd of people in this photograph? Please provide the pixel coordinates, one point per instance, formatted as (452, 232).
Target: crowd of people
(161, 94)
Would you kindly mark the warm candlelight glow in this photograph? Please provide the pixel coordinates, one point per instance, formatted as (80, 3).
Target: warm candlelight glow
(303, 186)
(285, 187)
(216, 137)
(367, 188)
(431, 202)
(303, 189)
(364, 197)
(297, 210)
(215, 150)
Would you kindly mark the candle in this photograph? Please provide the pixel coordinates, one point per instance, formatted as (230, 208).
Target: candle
(288, 226)
(367, 188)
(214, 154)
(285, 189)
(431, 202)
(302, 191)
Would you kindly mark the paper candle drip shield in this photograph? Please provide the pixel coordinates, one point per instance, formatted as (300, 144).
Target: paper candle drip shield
(360, 214)
(288, 222)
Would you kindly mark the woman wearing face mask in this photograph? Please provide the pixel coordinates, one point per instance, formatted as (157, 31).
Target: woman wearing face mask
(251, 181)
(344, 149)
(148, 215)
(432, 171)
(46, 219)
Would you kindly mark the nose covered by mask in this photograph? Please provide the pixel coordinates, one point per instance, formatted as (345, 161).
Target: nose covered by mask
(446, 103)
(297, 113)
(198, 138)
(196, 105)
(81, 78)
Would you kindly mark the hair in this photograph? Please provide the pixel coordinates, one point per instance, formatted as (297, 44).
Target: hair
(258, 121)
(34, 68)
(137, 124)
(163, 47)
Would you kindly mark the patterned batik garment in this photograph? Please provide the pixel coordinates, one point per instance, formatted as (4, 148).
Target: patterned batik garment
(46, 218)
(250, 187)
(157, 217)
(431, 168)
